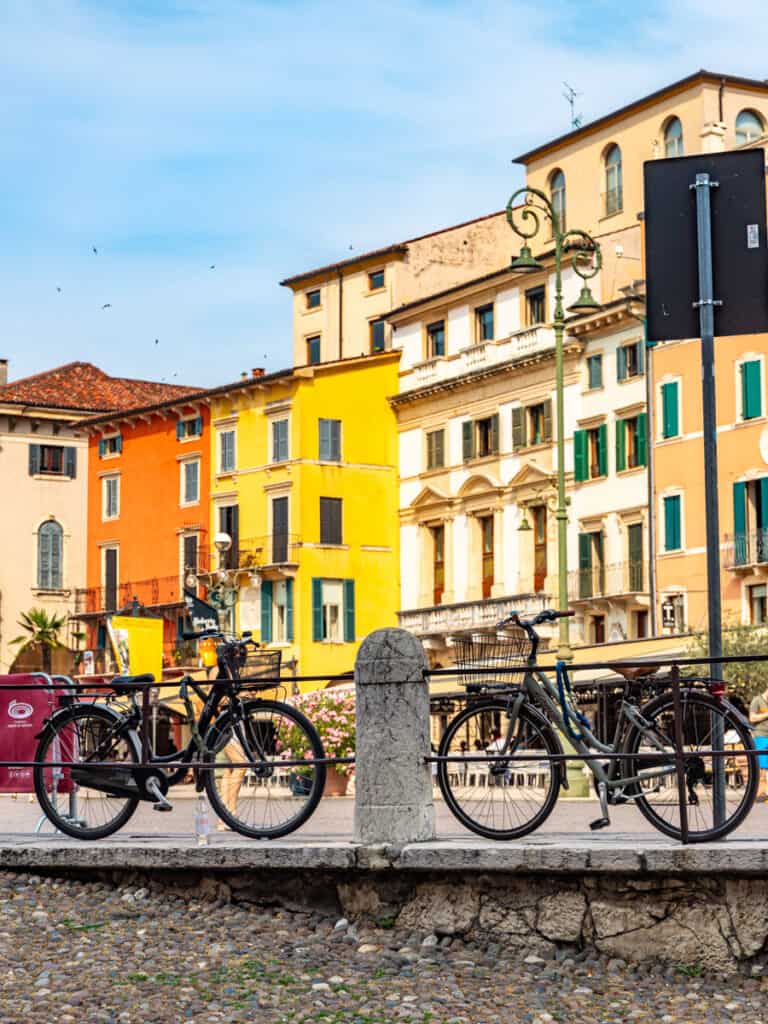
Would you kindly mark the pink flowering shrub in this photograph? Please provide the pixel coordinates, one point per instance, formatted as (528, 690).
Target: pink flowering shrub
(332, 712)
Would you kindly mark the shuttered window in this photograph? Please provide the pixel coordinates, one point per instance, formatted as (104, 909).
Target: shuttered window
(740, 523)
(435, 449)
(580, 455)
(111, 497)
(280, 529)
(330, 521)
(670, 414)
(226, 451)
(110, 445)
(52, 460)
(330, 440)
(190, 473)
(672, 524)
(333, 611)
(50, 543)
(595, 372)
(540, 422)
(751, 390)
(280, 440)
(189, 428)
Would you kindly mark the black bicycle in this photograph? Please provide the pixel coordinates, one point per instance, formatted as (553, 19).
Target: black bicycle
(247, 753)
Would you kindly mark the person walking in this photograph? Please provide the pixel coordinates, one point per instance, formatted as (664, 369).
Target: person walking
(758, 717)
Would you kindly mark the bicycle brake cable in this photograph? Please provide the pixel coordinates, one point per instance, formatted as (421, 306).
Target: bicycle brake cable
(568, 704)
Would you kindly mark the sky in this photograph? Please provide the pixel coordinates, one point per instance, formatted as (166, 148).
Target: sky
(262, 139)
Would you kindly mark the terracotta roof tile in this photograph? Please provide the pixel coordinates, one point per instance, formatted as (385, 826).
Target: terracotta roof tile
(84, 387)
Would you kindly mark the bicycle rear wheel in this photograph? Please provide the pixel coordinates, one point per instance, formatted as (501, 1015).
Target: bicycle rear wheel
(66, 788)
(659, 802)
(264, 800)
(502, 799)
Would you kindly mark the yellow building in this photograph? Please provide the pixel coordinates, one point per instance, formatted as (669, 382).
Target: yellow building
(304, 466)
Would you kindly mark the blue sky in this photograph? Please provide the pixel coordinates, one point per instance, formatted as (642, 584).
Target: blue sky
(267, 138)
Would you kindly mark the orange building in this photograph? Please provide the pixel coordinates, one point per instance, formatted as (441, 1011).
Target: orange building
(148, 499)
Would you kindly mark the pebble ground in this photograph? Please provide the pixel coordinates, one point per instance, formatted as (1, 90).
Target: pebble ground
(75, 953)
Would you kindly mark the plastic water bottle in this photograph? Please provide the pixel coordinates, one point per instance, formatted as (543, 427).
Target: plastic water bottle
(202, 821)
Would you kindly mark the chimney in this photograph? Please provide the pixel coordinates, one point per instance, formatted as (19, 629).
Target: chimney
(3, 372)
(257, 371)
(243, 375)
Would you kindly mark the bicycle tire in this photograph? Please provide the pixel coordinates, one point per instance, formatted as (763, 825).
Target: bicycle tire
(216, 740)
(459, 803)
(704, 704)
(61, 729)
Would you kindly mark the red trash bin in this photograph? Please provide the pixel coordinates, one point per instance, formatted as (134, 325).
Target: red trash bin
(22, 714)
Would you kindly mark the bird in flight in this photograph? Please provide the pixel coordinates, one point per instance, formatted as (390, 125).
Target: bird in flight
(95, 250)
(58, 289)
(107, 305)
(212, 266)
(157, 341)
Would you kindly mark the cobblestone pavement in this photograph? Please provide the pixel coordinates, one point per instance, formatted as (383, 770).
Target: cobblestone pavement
(85, 953)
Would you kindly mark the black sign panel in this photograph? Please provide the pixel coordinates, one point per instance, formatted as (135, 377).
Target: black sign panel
(739, 251)
(202, 615)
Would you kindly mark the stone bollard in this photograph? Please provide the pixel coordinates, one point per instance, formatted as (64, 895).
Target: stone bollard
(393, 785)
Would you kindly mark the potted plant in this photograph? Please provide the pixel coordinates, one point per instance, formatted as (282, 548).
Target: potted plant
(332, 712)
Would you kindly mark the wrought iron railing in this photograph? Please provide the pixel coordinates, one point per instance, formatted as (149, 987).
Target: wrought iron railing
(742, 549)
(614, 580)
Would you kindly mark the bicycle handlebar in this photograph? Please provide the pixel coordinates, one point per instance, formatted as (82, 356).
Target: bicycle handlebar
(548, 615)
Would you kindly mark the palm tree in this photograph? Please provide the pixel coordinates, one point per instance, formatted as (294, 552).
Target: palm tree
(42, 631)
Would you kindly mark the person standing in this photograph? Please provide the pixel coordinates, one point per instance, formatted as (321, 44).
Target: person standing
(758, 717)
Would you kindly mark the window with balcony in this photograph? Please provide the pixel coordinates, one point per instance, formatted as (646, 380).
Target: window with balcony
(629, 361)
(591, 565)
(751, 381)
(435, 449)
(557, 194)
(376, 280)
(313, 298)
(673, 536)
(110, 495)
(189, 428)
(112, 445)
(438, 563)
(279, 440)
(673, 137)
(190, 481)
(229, 523)
(330, 521)
(50, 552)
(487, 554)
(594, 372)
(614, 181)
(333, 611)
(330, 440)
(377, 331)
(749, 126)
(226, 451)
(536, 306)
(313, 350)
(635, 557)
(750, 521)
(436, 339)
(480, 438)
(52, 460)
(590, 449)
(670, 409)
(631, 442)
(484, 323)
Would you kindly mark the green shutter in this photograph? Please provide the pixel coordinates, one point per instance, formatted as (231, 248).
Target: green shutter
(289, 610)
(751, 399)
(621, 363)
(518, 428)
(317, 609)
(34, 459)
(548, 420)
(102, 448)
(266, 612)
(740, 523)
(199, 425)
(669, 410)
(71, 462)
(642, 439)
(621, 446)
(580, 455)
(585, 565)
(602, 453)
(468, 440)
(495, 433)
(349, 611)
(119, 444)
(179, 429)
(672, 523)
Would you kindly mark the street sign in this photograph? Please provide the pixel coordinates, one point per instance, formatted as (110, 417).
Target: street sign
(739, 250)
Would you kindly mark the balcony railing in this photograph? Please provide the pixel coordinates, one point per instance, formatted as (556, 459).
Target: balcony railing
(745, 549)
(456, 618)
(531, 340)
(616, 580)
(158, 592)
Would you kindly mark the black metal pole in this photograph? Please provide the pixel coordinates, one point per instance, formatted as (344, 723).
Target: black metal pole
(706, 304)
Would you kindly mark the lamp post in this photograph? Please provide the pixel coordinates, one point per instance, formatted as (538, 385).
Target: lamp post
(525, 220)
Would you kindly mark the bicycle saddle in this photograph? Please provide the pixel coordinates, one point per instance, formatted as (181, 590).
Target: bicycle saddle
(633, 672)
(128, 684)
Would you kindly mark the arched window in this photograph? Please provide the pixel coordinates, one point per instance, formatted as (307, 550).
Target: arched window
(749, 126)
(557, 192)
(614, 186)
(673, 137)
(50, 539)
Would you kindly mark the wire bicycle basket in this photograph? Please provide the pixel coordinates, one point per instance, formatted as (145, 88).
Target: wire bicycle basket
(480, 655)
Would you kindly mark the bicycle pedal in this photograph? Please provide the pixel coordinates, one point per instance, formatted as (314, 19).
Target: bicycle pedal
(162, 806)
(599, 823)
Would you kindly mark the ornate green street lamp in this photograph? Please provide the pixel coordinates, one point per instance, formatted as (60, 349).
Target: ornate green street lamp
(525, 220)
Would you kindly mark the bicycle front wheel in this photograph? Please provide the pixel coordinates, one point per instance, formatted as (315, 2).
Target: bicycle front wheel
(267, 798)
(704, 719)
(73, 796)
(501, 799)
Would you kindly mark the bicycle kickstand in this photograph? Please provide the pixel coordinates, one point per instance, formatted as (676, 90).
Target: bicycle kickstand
(602, 792)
